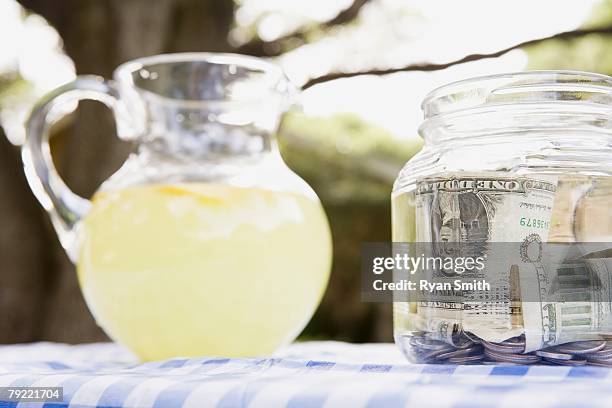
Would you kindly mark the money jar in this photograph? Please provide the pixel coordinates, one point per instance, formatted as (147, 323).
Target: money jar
(514, 164)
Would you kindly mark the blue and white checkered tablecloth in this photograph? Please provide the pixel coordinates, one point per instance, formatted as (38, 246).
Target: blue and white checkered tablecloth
(311, 374)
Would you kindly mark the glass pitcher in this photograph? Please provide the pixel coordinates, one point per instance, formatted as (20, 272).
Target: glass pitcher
(204, 242)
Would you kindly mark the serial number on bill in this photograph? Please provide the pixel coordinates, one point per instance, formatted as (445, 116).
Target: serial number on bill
(534, 223)
(32, 394)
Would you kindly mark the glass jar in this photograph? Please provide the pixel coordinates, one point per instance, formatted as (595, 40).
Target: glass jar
(204, 242)
(517, 158)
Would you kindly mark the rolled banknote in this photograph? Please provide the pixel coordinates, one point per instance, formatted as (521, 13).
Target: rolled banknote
(473, 210)
(566, 302)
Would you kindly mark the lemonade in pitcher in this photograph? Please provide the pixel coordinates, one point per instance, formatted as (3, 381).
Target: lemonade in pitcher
(204, 242)
(239, 260)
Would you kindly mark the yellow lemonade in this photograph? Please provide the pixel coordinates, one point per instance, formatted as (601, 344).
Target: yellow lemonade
(203, 269)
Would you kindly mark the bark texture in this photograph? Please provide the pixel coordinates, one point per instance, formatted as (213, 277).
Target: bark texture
(39, 294)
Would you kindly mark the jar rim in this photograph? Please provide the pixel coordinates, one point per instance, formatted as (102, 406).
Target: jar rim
(553, 86)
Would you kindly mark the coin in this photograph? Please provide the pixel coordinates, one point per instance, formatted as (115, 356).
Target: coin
(514, 341)
(504, 348)
(581, 347)
(432, 354)
(600, 363)
(465, 359)
(593, 357)
(472, 338)
(553, 355)
(461, 352)
(605, 353)
(464, 343)
(428, 344)
(571, 362)
(511, 357)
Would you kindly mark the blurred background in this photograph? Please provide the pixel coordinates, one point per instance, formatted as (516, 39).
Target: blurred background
(364, 65)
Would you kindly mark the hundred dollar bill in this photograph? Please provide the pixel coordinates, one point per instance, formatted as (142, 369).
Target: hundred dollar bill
(566, 302)
(460, 215)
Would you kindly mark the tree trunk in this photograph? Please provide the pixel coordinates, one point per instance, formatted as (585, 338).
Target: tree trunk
(25, 260)
(39, 294)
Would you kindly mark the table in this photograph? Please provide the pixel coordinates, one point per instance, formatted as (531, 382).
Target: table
(309, 374)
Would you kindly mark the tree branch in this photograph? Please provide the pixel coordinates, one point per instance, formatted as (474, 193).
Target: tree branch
(293, 40)
(347, 15)
(425, 67)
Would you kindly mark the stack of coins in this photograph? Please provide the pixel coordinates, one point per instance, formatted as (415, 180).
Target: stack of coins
(470, 349)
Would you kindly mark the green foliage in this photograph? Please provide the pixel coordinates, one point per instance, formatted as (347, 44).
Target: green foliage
(591, 53)
(14, 89)
(601, 14)
(588, 53)
(343, 157)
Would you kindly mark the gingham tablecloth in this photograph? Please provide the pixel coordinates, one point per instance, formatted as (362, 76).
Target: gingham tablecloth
(304, 375)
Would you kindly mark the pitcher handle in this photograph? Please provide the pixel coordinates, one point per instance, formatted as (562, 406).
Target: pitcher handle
(64, 206)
